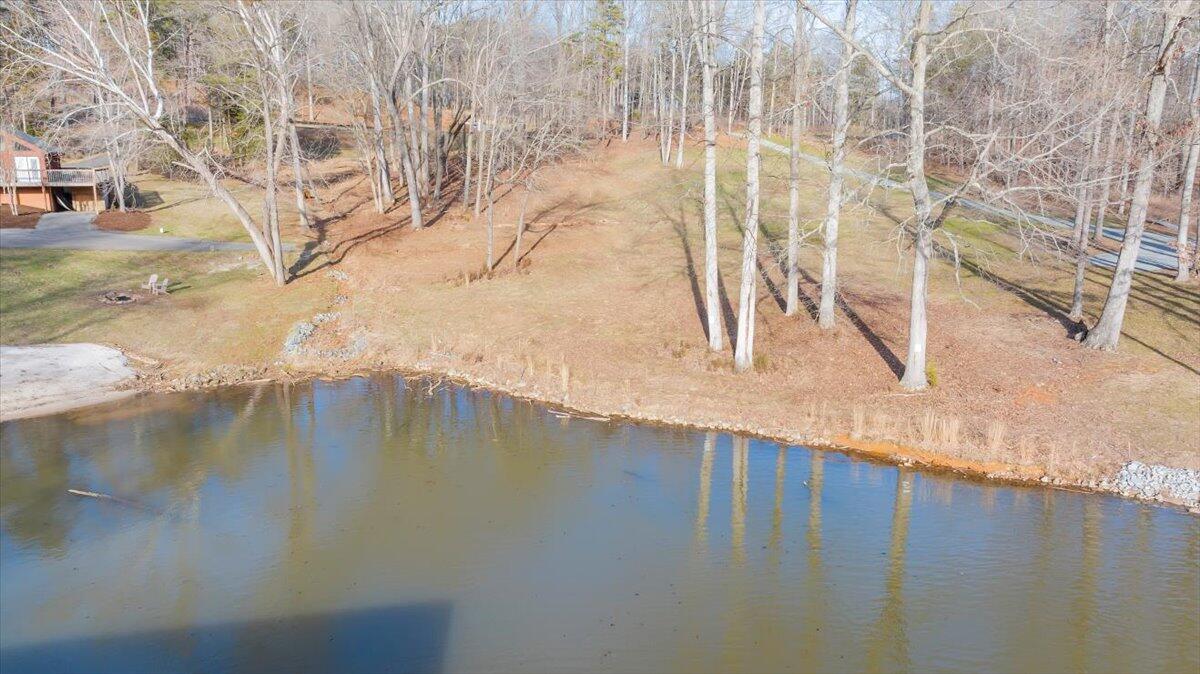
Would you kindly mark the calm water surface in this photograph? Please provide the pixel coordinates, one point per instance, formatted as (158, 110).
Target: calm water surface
(373, 525)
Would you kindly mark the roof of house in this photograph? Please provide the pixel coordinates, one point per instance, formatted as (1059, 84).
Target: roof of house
(31, 140)
(95, 161)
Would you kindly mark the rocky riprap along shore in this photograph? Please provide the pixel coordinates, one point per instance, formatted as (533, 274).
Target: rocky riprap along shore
(1157, 483)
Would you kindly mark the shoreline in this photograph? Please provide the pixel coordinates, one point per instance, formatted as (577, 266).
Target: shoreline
(881, 450)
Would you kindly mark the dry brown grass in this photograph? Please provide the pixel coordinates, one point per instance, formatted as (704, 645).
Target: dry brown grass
(604, 312)
(604, 309)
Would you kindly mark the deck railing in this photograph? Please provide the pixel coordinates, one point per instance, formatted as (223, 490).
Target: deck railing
(68, 177)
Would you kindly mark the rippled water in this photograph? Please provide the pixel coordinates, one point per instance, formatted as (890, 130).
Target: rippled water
(374, 525)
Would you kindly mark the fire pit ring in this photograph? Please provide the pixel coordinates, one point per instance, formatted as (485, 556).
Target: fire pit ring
(119, 297)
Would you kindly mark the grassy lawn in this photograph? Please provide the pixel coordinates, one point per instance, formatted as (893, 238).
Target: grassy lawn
(187, 209)
(220, 309)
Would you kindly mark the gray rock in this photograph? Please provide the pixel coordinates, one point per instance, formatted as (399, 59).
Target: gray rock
(296, 338)
(1158, 483)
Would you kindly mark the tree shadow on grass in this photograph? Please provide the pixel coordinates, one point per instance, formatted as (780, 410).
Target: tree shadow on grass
(1054, 305)
(546, 230)
(303, 265)
(776, 249)
(885, 352)
(679, 225)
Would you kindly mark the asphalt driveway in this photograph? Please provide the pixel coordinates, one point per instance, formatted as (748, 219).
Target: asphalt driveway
(77, 231)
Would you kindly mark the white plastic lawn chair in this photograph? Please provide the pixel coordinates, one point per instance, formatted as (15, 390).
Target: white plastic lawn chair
(155, 286)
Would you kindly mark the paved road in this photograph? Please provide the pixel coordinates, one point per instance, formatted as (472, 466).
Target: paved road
(77, 231)
(1157, 251)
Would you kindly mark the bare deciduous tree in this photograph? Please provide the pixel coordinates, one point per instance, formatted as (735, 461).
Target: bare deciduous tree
(837, 157)
(111, 47)
(1107, 331)
(1183, 251)
(748, 296)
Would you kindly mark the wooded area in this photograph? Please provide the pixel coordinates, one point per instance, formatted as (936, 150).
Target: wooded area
(1032, 113)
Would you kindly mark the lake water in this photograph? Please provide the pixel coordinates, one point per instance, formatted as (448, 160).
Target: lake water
(375, 524)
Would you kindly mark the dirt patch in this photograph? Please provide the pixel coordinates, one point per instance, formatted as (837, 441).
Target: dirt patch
(129, 221)
(26, 217)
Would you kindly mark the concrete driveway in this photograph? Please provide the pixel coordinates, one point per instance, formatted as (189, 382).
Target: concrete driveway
(77, 231)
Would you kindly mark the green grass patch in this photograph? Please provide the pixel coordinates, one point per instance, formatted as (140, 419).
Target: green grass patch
(221, 307)
(179, 208)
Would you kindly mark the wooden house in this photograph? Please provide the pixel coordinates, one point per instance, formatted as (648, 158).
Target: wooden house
(32, 172)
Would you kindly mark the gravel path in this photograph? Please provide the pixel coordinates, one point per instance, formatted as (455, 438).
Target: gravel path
(1157, 251)
(77, 231)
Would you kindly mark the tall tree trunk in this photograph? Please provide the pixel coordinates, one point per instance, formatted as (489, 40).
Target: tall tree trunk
(1083, 215)
(915, 377)
(669, 111)
(268, 250)
(687, 62)
(1126, 168)
(1114, 128)
(491, 231)
(385, 176)
(1189, 179)
(711, 278)
(426, 113)
(793, 252)
(467, 164)
(521, 226)
(744, 354)
(414, 140)
(416, 217)
(308, 83)
(1102, 169)
(275, 134)
(480, 176)
(439, 150)
(1107, 332)
(1080, 248)
(841, 123)
(298, 177)
(118, 176)
(732, 94)
(625, 72)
